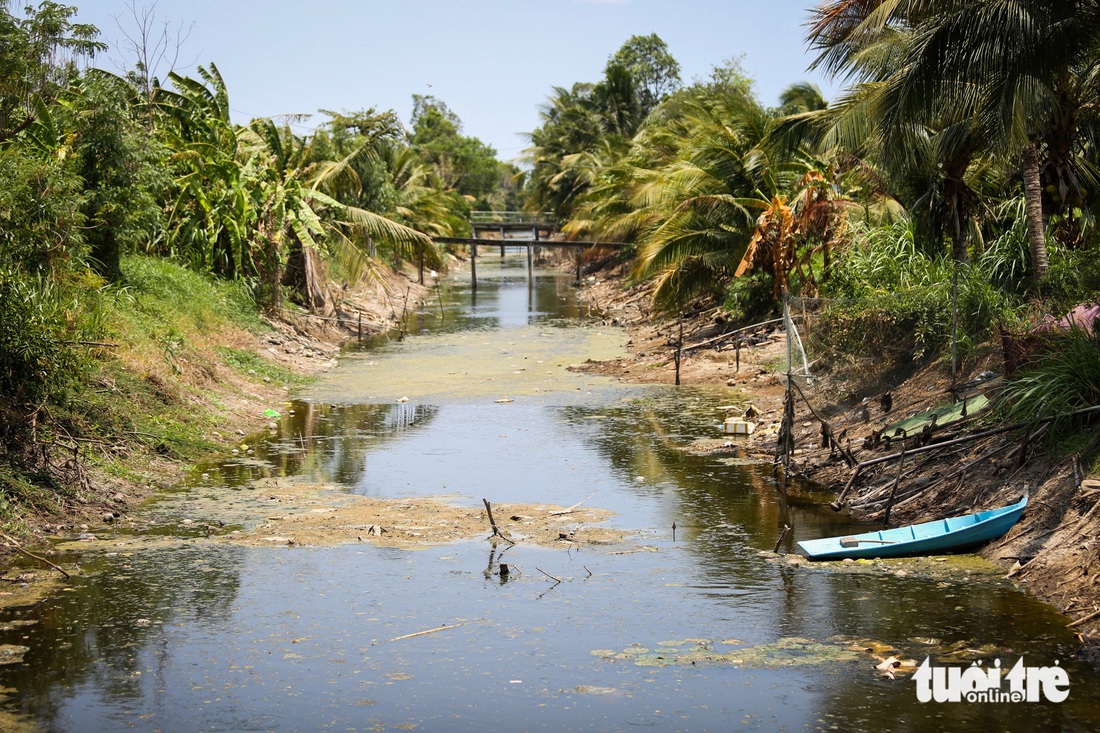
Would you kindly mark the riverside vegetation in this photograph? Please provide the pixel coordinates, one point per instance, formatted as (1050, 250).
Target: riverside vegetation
(151, 247)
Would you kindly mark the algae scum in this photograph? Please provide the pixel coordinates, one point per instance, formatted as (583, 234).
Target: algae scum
(618, 620)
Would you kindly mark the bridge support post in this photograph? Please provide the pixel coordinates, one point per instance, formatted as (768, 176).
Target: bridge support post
(473, 267)
(531, 260)
(502, 243)
(579, 251)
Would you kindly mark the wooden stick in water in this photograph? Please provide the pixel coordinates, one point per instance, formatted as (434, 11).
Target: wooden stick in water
(419, 633)
(570, 509)
(30, 554)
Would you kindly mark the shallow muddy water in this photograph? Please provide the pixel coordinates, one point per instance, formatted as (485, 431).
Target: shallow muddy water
(686, 629)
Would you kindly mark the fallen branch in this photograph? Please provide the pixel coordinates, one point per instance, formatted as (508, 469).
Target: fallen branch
(93, 343)
(548, 575)
(727, 334)
(1083, 619)
(838, 503)
(30, 554)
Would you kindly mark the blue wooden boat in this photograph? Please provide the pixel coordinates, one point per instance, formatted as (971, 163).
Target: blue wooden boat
(927, 538)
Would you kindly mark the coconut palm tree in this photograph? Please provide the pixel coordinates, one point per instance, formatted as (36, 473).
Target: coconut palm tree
(704, 200)
(927, 156)
(1024, 73)
(570, 132)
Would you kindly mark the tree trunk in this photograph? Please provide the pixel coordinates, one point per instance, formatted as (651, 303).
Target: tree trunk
(1033, 195)
(315, 287)
(105, 255)
(305, 277)
(957, 195)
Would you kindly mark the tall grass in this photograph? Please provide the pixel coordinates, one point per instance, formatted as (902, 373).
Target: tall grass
(165, 292)
(1062, 377)
(896, 298)
(168, 330)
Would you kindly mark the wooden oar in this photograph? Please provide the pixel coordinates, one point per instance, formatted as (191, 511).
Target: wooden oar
(853, 542)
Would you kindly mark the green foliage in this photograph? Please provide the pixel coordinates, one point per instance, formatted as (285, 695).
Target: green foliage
(652, 68)
(163, 316)
(209, 213)
(749, 300)
(41, 228)
(37, 362)
(710, 196)
(160, 295)
(894, 298)
(586, 128)
(37, 54)
(885, 259)
(121, 171)
(462, 163)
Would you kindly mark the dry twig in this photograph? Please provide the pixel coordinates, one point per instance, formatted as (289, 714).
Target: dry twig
(419, 633)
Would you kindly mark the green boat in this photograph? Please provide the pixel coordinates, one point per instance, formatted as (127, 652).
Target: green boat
(927, 538)
(939, 417)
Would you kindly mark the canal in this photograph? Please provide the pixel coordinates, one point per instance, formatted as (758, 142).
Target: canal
(693, 624)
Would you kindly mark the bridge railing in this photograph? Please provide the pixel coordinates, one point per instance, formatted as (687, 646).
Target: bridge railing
(510, 217)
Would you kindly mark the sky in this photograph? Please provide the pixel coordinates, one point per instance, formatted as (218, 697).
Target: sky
(493, 62)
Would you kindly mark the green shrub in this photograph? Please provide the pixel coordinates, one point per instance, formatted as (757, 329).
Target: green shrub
(895, 298)
(750, 298)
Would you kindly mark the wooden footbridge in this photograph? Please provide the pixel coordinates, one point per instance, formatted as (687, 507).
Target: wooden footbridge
(532, 232)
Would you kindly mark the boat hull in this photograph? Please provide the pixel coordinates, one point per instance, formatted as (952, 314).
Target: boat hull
(927, 538)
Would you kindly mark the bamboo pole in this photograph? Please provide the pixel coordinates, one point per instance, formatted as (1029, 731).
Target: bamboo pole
(894, 489)
(473, 266)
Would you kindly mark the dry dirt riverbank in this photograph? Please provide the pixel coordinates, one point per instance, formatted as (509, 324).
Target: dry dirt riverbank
(1052, 551)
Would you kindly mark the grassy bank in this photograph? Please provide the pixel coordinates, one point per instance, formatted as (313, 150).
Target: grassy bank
(166, 370)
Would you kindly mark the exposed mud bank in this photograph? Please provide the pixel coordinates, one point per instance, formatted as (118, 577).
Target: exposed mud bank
(291, 513)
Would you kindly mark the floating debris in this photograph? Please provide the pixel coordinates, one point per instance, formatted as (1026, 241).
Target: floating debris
(786, 652)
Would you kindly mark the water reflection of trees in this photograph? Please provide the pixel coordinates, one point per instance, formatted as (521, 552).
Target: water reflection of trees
(728, 513)
(647, 438)
(327, 443)
(108, 634)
